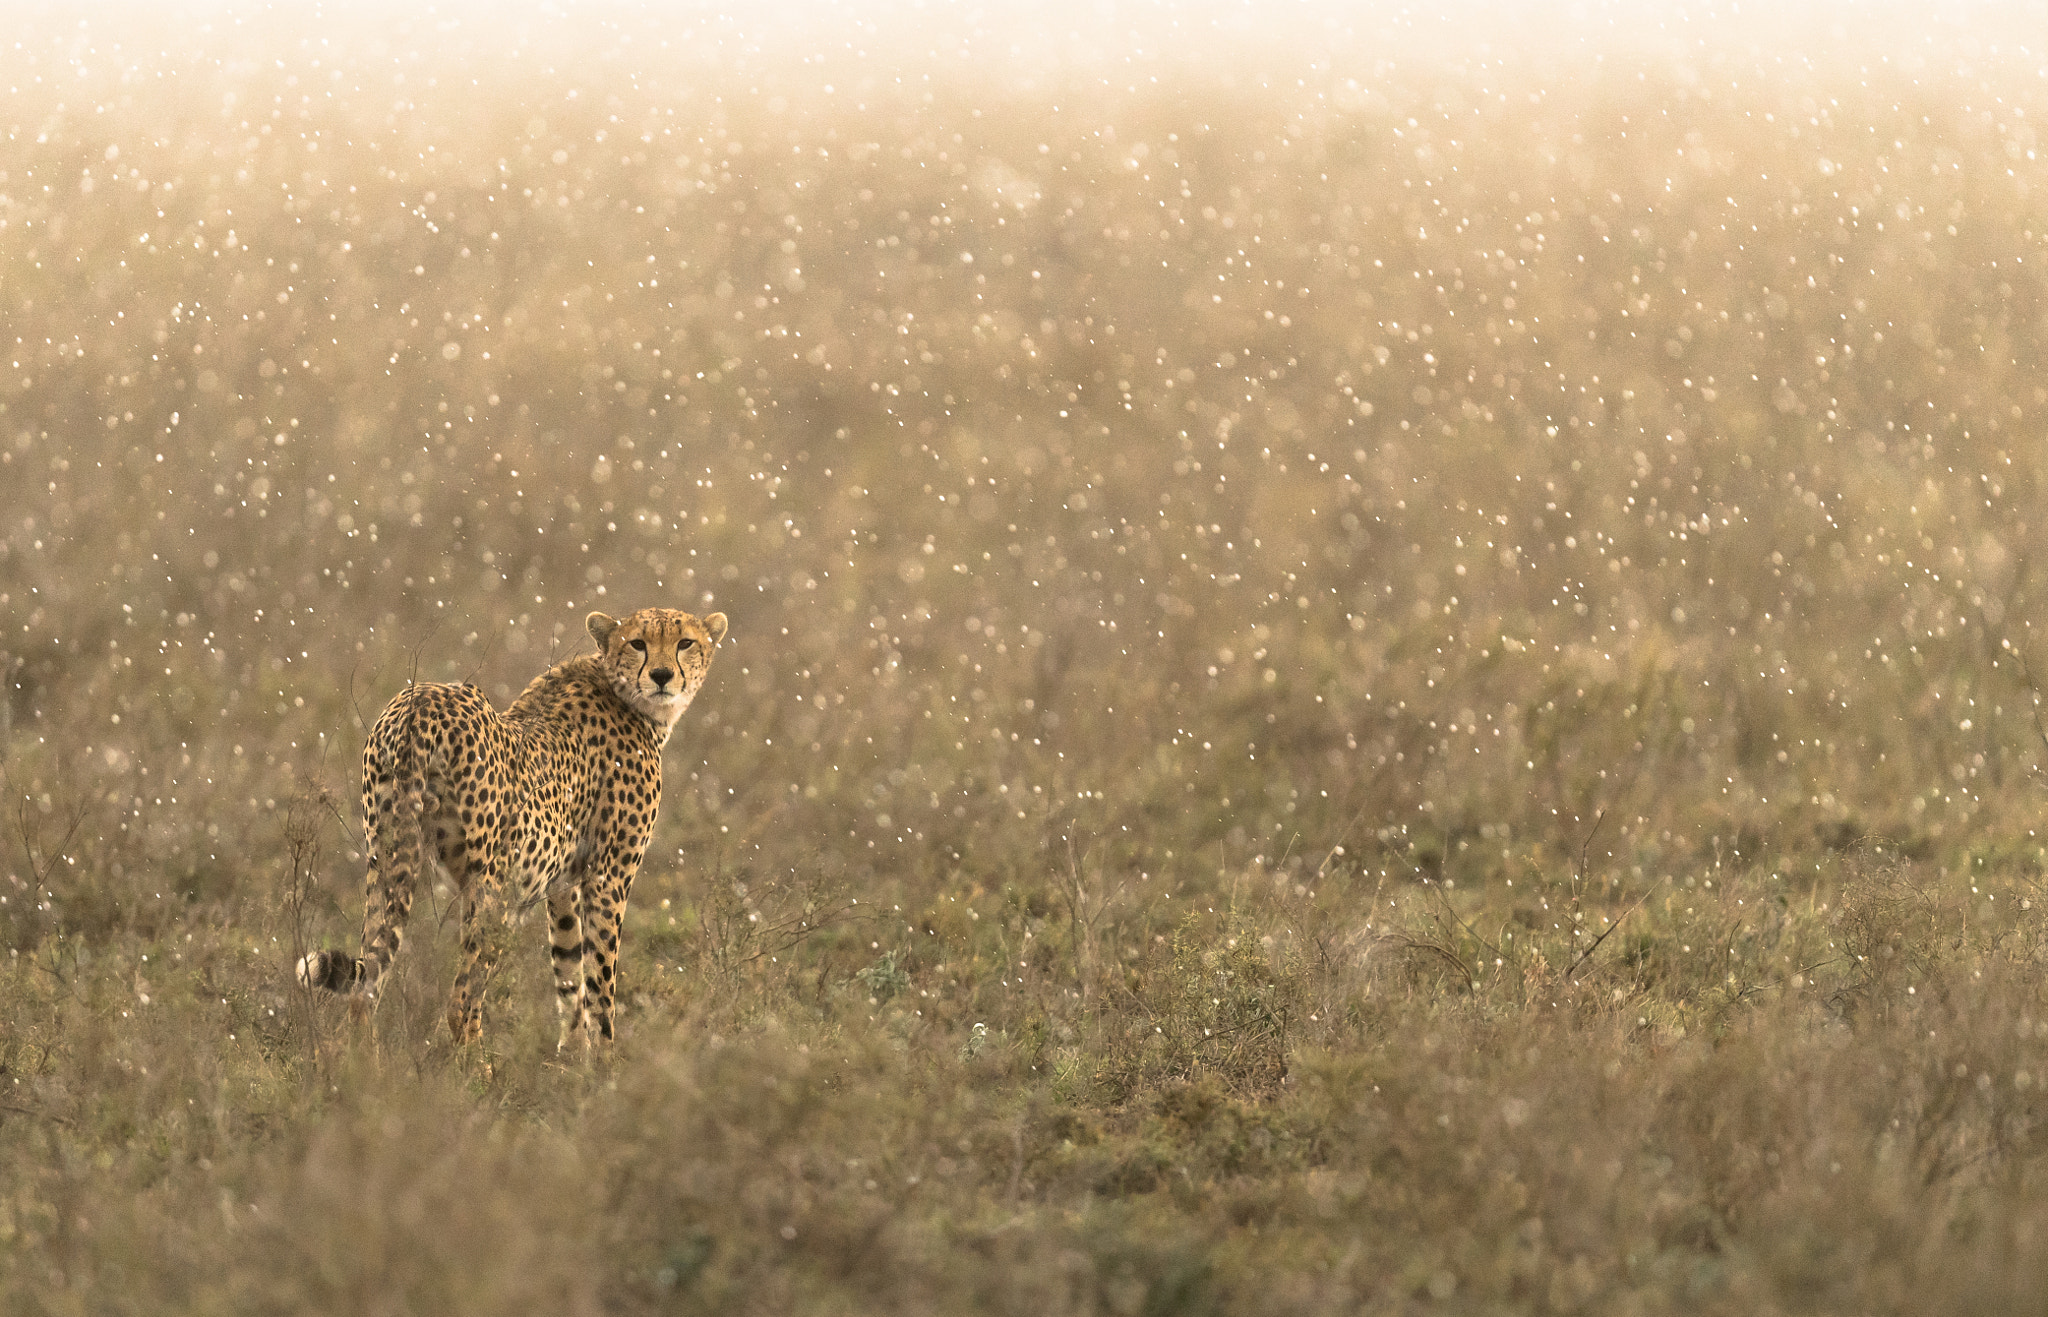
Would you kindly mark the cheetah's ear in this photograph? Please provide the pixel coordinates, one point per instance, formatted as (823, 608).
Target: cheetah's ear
(601, 626)
(715, 624)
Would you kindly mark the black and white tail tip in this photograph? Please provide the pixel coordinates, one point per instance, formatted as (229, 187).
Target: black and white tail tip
(337, 971)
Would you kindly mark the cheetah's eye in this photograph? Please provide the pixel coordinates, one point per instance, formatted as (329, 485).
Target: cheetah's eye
(640, 645)
(686, 642)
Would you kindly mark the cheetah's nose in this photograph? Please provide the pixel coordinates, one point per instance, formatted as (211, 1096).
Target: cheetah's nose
(661, 676)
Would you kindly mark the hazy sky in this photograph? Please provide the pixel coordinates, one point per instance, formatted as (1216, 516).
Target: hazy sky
(1077, 33)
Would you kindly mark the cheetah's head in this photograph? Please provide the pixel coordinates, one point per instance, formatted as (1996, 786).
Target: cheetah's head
(657, 658)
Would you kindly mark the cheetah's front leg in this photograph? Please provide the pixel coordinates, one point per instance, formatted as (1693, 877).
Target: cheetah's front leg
(604, 910)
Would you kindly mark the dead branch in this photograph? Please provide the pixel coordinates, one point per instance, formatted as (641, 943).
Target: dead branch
(1605, 933)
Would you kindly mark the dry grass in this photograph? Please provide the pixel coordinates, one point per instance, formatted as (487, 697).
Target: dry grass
(1403, 694)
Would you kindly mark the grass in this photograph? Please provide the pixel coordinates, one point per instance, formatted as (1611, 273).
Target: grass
(1414, 689)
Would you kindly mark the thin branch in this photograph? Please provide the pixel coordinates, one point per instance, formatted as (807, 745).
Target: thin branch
(1586, 955)
(481, 659)
(1585, 848)
(355, 704)
(1413, 944)
(39, 869)
(1343, 836)
(1437, 891)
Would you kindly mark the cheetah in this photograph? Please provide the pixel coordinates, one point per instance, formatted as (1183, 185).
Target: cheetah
(553, 799)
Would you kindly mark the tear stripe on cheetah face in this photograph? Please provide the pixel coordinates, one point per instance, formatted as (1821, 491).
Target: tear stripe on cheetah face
(552, 800)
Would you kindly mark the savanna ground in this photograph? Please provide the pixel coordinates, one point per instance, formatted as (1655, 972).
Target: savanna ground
(1364, 677)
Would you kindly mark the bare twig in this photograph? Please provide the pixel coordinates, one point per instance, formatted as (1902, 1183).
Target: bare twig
(1585, 848)
(1587, 954)
(1437, 892)
(1337, 846)
(738, 931)
(1078, 926)
(1083, 917)
(354, 704)
(1438, 949)
(40, 866)
(482, 658)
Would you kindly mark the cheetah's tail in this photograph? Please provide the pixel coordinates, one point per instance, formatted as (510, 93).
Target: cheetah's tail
(336, 971)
